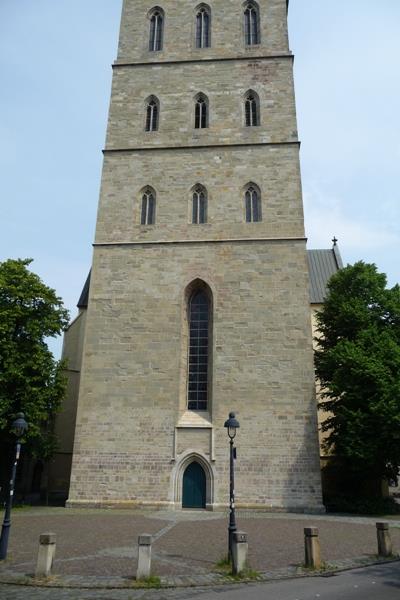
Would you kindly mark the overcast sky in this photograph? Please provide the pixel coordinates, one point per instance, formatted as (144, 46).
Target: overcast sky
(55, 76)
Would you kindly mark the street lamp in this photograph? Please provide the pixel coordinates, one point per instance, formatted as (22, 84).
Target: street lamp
(18, 428)
(231, 424)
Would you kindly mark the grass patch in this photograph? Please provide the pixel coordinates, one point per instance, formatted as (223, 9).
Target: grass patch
(224, 567)
(148, 582)
(247, 574)
(224, 564)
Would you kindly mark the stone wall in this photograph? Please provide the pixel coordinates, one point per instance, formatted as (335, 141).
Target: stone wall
(134, 435)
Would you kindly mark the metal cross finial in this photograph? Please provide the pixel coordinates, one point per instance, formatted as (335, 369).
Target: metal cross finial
(334, 240)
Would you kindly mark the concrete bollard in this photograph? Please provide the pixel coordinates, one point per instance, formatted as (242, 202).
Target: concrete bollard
(47, 550)
(312, 548)
(385, 547)
(239, 551)
(144, 556)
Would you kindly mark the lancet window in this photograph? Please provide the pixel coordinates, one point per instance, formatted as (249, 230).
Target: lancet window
(201, 112)
(199, 205)
(156, 30)
(148, 212)
(251, 24)
(152, 112)
(199, 337)
(251, 109)
(252, 204)
(203, 30)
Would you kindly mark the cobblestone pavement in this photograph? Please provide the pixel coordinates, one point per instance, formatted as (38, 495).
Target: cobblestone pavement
(98, 547)
(371, 583)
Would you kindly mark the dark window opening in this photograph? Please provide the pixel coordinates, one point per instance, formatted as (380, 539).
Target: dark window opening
(198, 351)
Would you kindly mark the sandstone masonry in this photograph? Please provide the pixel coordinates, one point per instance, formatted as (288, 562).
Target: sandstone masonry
(135, 436)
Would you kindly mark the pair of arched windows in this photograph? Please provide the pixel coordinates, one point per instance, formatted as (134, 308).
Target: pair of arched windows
(201, 111)
(199, 199)
(251, 24)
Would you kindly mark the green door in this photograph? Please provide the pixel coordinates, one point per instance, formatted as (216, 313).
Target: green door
(194, 487)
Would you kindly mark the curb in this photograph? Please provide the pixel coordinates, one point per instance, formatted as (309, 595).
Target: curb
(207, 580)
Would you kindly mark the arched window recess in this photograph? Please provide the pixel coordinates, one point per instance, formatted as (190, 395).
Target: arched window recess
(203, 26)
(201, 111)
(252, 200)
(199, 309)
(251, 15)
(148, 207)
(152, 113)
(156, 34)
(251, 109)
(199, 205)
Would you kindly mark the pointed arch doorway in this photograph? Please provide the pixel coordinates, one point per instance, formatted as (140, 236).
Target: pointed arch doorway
(194, 486)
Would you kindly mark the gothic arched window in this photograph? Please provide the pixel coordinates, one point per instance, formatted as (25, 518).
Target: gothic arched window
(199, 205)
(201, 112)
(252, 200)
(203, 30)
(152, 112)
(251, 109)
(156, 30)
(251, 24)
(199, 337)
(148, 212)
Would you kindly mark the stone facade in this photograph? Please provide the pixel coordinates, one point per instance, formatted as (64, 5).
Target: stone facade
(134, 434)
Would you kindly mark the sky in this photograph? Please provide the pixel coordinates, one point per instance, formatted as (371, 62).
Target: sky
(55, 81)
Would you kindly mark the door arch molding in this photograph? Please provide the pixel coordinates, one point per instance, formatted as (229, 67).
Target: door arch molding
(177, 477)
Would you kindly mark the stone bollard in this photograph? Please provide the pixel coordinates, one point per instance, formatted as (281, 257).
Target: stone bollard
(47, 550)
(144, 556)
(239, 551)
(384, 540)
(312, 548)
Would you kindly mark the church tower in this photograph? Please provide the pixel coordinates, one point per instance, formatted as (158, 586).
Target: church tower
(199, 299)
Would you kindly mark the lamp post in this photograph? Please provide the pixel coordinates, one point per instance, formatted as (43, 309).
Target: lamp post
(18, 427)
(231, 424)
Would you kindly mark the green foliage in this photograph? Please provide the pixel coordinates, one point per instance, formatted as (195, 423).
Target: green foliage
(224, 567)
(148, 582)
(31, 380)
(224, 563)
(362, 506)
(358, 364)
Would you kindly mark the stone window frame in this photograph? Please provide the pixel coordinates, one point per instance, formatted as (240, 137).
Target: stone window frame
(251, 37)
(201, 118)
(195, 205)
(252, 114)
(195, 285)
(158, 14)
(148, 210)
(202, 8)
(151, 121)
(252, 204)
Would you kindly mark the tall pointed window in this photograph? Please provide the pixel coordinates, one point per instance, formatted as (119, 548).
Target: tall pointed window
(252, 200)
(251, 109)
(251, 24)
(148, 213)
(199, 326)
(199, 205)
(156, 30)
(152, 111)
(203, 27)
(201, 112)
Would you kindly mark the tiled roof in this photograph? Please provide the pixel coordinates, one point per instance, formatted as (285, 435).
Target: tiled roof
(322, 265)
(84, 297)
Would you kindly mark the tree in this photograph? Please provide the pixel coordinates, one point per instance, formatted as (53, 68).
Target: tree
(358, 365)
(31, 380)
